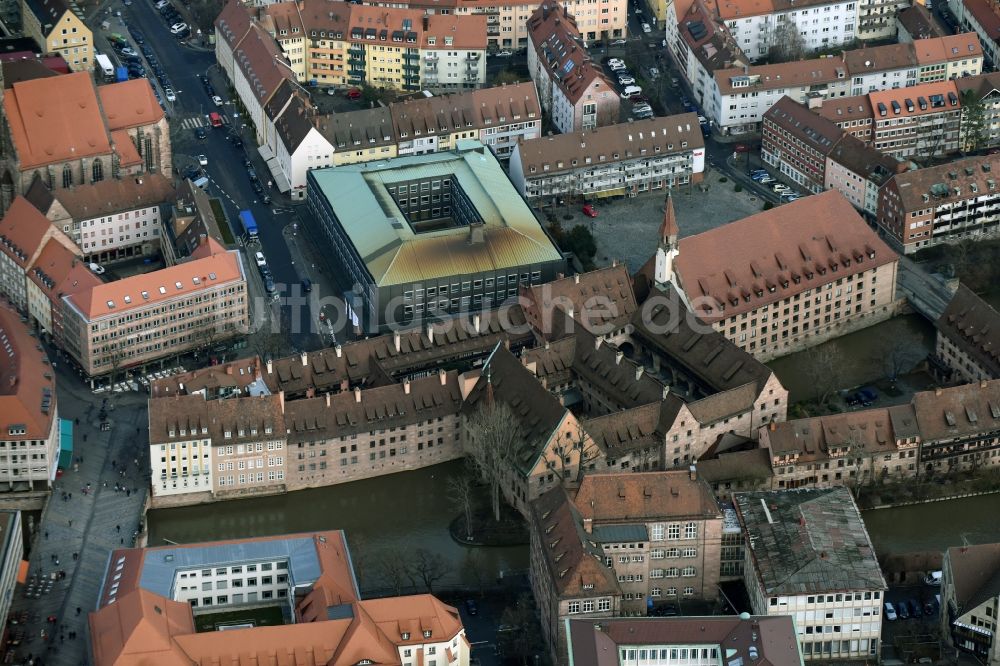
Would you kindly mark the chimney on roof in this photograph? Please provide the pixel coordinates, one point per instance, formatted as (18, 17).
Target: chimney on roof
(982, 384)
(281, 400)
(576, 279)
(772, 426)
(937, 391)
(357, 394)
(327, 398)
(693, 472)
(475, 322)
(639, 369)
(597, 342)
(443, 376)
(229, 371)
(619, 355)
(339, 350)
(477, 233)
(406, 386)
(396, 342)
(270, 366)
(430, 333)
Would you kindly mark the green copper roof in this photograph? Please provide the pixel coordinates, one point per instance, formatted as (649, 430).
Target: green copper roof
(395, 254)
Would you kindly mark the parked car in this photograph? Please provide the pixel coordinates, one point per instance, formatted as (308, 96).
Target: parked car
(626, 81)
(890, 612)
(933, 578)
(353, 93)
(137, 36)
(128, 51)
(631, 90)
(589, 210)
(641, 108)
(766, 180)
(203, 160)
(503, 54)
(915, 610)
(619, 42)
(269, 285)
(200, 133)
(930, 609)
(643, 115)
(216, 100)
(902, 611)
(178, 28)
(618, 69)
(780, 187)
(169, 92)
(867, 395)
(307, 286)
(654, 72)
(646, 28)
(470, 606)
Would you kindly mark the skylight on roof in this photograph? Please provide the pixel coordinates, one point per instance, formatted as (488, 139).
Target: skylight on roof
(128, 299)
(163, 290)
(111, 304)
(211, 276)
(178, 285)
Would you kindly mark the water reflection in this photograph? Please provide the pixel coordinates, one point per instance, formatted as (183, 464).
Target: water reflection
(399, 512)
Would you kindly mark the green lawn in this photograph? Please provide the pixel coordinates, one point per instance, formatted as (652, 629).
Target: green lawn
(259, 617)
(222, 222)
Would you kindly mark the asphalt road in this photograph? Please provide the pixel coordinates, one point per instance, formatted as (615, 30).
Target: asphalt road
(229, 180)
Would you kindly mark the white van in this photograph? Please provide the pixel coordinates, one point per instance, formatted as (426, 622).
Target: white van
(631, 90)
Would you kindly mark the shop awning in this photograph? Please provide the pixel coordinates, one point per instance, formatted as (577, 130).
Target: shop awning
(280, 179)
(65, 443)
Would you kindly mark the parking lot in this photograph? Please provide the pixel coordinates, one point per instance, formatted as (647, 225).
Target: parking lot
(912, 637)
(627, 229)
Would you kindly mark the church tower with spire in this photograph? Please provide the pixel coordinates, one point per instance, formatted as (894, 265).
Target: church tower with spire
(666, 251)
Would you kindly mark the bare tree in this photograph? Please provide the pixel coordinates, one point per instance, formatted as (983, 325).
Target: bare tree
(895, 357)
(477, 568)
(461, 494)
(523, 638)
(856, 456)
(391, 567)
(787, 43)
(494, 435)
(269, 345)
(823, 367)
(579, 450)
(427, 568)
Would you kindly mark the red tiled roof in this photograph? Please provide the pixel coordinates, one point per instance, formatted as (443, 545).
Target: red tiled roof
(772, 255)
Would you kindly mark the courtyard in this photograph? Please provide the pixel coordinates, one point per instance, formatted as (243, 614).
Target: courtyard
(627, 229)
(253, 616)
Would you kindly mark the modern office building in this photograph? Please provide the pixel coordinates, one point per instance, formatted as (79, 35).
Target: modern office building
(139, 319)
(809, 556)
(431, 235)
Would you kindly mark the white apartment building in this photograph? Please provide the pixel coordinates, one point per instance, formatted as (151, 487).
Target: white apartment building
(980, 17)
(260, 579)
(109, 219)
(809, 556)
(822, 25)
(736, 98)
(634, 158)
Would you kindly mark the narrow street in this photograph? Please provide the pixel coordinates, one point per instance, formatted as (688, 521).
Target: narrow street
(94, 507)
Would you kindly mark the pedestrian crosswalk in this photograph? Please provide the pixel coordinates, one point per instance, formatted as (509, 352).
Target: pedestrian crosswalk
(195, 122)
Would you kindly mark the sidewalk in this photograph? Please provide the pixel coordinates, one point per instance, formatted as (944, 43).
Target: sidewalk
(89, 524)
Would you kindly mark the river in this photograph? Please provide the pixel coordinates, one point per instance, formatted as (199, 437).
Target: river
(935, 525)
(858, 355)
(400, 512)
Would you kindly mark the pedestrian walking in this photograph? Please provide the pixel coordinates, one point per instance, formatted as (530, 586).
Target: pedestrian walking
(78, 610)
(128, 493)
(46, 534)
(118, 528)
(71, 522)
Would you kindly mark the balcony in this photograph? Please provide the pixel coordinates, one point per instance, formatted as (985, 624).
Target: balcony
(431, 67)
(411, 56)
(355, 51)
(407, 67)
(431, 57)
(493, 30)
(472, 56)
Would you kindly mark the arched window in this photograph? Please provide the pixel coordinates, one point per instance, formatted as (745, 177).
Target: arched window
(97, 171)
(67, 176)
